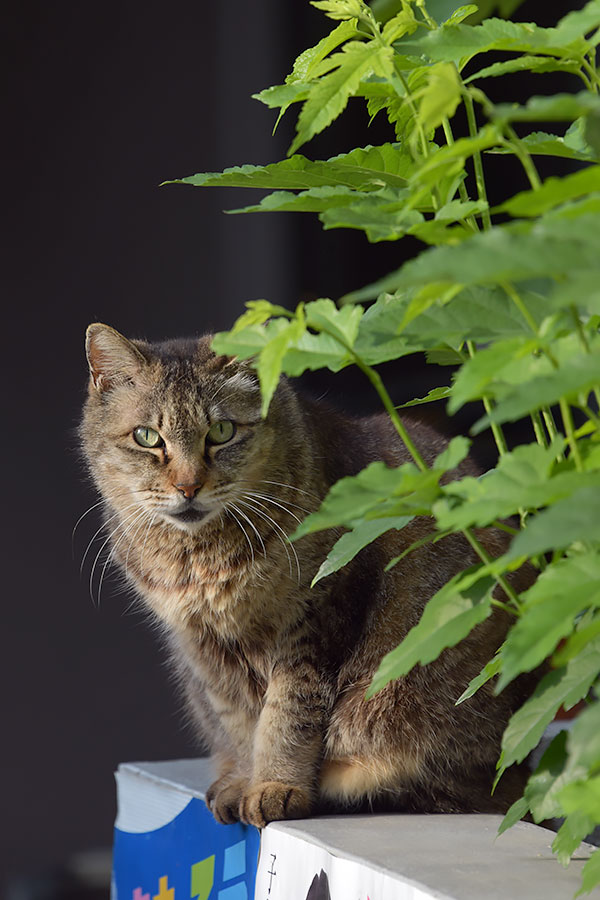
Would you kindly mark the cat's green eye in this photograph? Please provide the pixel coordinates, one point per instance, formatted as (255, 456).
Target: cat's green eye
(220, 432)
(147, 437)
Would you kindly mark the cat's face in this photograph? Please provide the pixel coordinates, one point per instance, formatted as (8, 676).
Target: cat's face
(172, 431)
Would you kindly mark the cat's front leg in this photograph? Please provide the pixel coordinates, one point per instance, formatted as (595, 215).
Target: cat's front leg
(288, 746)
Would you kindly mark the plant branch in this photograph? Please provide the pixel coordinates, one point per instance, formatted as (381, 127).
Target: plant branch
(479, 175)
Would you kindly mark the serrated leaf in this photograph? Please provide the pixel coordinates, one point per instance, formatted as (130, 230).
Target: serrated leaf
(340, 9)
(539, 143)
(350, 544)
(246, 342)
(306, 64)
(515, 813)
(461, 43)
(520, 481)
(549, 610)
(364, 167)
(570, 835)
(578, 375)
(574, 518)
(489, 671)
(544, 786)
(562, 687)
(553, 192)
(258, 312)
(450, 159)
(513, 252)
(370, 492)
(556, 108)
(583, 797)
(379, 216)
(439, 393)
(539, 64)
(313, 200)
(449, 616)
(281, 96)
(440, 96)
(342, 324)
(578, 640)
(315, 351)
(331, 93)
(590, 874)
(271, 356)
(584, 739)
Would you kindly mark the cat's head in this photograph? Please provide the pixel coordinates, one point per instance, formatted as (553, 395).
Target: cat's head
(174, 430)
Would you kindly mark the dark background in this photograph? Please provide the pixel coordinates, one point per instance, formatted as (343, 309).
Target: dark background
(106, 101)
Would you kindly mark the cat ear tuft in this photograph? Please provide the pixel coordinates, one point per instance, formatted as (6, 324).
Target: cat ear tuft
(111, 357)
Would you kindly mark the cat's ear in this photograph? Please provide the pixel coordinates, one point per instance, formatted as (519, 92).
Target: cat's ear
(111, 357)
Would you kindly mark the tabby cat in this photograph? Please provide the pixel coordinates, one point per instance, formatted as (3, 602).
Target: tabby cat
(200, 494)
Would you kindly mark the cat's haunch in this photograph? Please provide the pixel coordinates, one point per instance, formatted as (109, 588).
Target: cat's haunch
(201, 494)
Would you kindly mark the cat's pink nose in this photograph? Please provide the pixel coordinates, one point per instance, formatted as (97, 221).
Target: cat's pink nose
(189, 491)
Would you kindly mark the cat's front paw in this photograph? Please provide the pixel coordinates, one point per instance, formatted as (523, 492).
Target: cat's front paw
(271, 801)
(223, 798)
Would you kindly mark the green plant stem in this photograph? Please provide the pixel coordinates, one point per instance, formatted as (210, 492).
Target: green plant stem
(584, 342)
(487, 405)
(593, 74)
(484, 557)
(516, 144)
(565, 411)
(517, 300)
(375, 379)
(479, 175)
(538, 428)
(462, 190)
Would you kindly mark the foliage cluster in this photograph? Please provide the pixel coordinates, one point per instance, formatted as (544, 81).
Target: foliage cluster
(510, 295)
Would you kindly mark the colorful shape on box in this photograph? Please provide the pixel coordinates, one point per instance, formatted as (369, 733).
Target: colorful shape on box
(203, 878)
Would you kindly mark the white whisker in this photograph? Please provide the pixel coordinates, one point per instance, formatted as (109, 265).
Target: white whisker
(114, 548)
(274, 502)
(98, 554)
(231, 513)
(253, 526)
(283, 537)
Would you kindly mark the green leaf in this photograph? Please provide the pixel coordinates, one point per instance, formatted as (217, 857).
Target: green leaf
(315, 351)
(489, 671)
(306, 65)
(247, 342)
(340, 9)
(562, 687)
(578, 640)
(440, 97)
(381, 216)
(513, 252)
(521, 480)
(590, 874)
(549, 610)
(575, 377)
(571, 146)
(583, 797)
(544, 786)
(313, 200)
(574, 518)
(584, 739)
(439, 393)
(258, 311)
(574, 829)
(331, 93)
(342, 324)
(463, 42)
(347, 547)
(449, 617)
(555, 108)
(362, 168)
(281, 96)
(538, 64)
(370, 492)
(553, 192)
(516, 812)
(450, 159)
(271, 357)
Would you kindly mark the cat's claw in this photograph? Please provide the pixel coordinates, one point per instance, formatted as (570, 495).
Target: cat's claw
(271, 801)
(223, 799)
